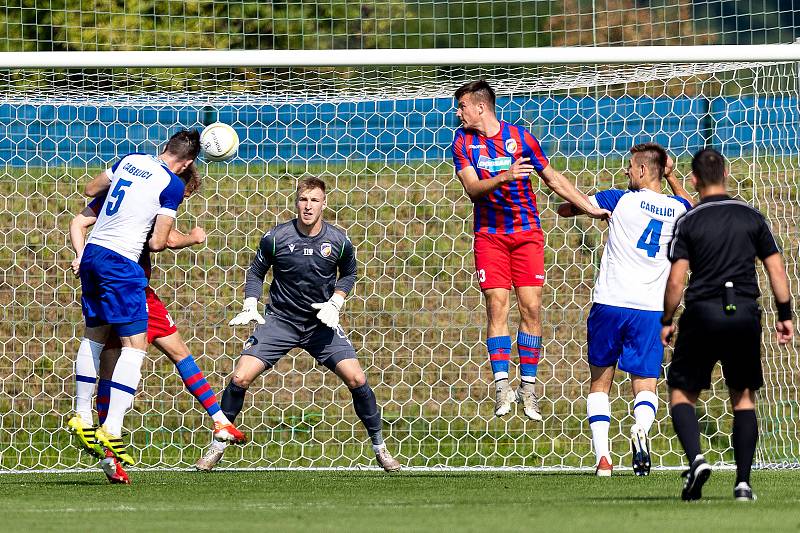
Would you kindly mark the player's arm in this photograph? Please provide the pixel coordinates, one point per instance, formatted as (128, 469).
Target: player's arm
(161, 231)
(177, 240)
(566, 190)
(99, 184)
(675, 183)
(254, 282)
(672, 298)
(78, 227)
(329, 311)
(477, 188)
(769, 252)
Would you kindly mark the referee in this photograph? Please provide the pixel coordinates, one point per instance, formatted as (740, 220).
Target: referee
(720, 240)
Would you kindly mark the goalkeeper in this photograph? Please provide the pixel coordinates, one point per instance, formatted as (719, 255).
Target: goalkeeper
(305, 298)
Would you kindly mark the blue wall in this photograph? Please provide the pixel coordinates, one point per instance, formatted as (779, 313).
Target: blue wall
(405, 130)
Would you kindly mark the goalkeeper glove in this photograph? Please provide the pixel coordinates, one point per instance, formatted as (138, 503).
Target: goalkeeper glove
(329, 311)
(248, 314)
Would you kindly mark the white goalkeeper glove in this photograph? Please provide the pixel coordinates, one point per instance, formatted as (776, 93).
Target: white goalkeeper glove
(248, 314)
(329, 311)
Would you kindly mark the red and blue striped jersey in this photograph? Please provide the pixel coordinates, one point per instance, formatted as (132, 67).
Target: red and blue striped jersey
(511, 207)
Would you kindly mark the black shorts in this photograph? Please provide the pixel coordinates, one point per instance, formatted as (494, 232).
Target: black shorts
(707, 335)
(273, 339)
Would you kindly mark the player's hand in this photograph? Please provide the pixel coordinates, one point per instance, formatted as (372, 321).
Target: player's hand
(248, 314)
(521, 168)
(598, 213)
(669, 167)
(667, 333)
(785, 330)
(329, 311)
(198, 235)
(76, 266)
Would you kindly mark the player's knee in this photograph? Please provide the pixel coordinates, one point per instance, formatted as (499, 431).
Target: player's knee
(355, 380)
(241, 381)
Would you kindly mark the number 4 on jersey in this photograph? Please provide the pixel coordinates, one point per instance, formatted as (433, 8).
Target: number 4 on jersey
(650, 238)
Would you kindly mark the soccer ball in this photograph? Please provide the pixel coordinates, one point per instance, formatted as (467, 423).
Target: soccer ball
(219, 142)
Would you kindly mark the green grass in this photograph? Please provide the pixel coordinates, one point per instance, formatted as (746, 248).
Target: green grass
(372, 501)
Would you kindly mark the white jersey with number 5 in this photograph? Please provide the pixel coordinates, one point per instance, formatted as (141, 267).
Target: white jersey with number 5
(634, 268)
(141, 187)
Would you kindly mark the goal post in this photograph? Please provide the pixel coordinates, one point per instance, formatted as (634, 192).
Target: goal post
(376, 125)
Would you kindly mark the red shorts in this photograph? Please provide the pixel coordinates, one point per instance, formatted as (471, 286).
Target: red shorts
(511, 258)
(159, 323)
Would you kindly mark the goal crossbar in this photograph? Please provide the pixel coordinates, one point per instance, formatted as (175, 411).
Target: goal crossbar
(402, 57)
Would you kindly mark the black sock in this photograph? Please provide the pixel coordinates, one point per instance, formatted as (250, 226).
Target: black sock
(745, 436)
(684, 420)
(367, 410)
(232, 400)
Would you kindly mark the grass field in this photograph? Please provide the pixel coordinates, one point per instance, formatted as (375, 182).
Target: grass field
(373, 501)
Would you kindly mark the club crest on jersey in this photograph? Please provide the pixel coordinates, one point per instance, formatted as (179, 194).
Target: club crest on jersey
(325, 249)
(494, 165)
(251, 341)
(511, 146)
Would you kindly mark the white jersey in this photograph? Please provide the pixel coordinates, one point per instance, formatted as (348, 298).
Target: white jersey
(141, 187)
(634, 268)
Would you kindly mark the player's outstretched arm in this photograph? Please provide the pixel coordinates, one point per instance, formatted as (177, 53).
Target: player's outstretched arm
(780, 289)
(177, 240)
(254, 282)
(675, 183)
(568, 210)
(99, 184)
(566, 190)
(78, 227)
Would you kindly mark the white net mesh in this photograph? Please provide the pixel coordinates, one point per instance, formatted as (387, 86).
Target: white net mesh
(380, 139)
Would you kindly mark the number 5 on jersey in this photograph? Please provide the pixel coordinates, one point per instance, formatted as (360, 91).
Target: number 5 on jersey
(650, 238)
(115, 197)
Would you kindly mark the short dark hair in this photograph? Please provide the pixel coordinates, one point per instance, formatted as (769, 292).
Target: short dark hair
(655, 157)
(309, 183)
(480, 89)
(184, 145)
(708, 167)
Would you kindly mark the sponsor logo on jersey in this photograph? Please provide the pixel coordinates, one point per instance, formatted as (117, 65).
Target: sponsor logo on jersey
(474, 146)
(308, 251)
(325, 249)
(494, 165)
(511, 146)
(291, 247)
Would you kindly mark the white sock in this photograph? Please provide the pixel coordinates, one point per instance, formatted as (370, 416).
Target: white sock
(219, 445)
(378, 447)
(599, 411)
(645, 406)
(87, 363)
(124, 383)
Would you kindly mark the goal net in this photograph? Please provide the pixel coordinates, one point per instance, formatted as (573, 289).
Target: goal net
(380, 138)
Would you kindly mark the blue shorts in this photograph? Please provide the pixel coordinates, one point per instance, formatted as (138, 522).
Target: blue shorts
(112, 289)
(629, 338)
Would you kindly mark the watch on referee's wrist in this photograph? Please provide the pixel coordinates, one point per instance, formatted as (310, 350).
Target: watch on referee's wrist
(666, 321)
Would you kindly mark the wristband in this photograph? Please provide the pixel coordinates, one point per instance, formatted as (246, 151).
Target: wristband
(784, 310)
(665, 321)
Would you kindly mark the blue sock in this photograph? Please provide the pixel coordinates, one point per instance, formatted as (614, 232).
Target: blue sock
(499, 353)
(196, 384)
(529, 347)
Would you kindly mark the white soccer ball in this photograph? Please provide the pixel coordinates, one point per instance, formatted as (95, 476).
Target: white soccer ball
(219, 142)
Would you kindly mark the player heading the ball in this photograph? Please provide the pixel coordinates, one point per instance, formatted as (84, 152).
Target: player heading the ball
(305, 298)
(144, 193)
(494, 161)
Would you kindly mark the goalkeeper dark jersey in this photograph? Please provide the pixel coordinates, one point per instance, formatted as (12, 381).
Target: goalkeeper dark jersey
(305, 270)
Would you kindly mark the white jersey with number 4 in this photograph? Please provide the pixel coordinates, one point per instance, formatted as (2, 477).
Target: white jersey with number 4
(141, 187)
(634, 268)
